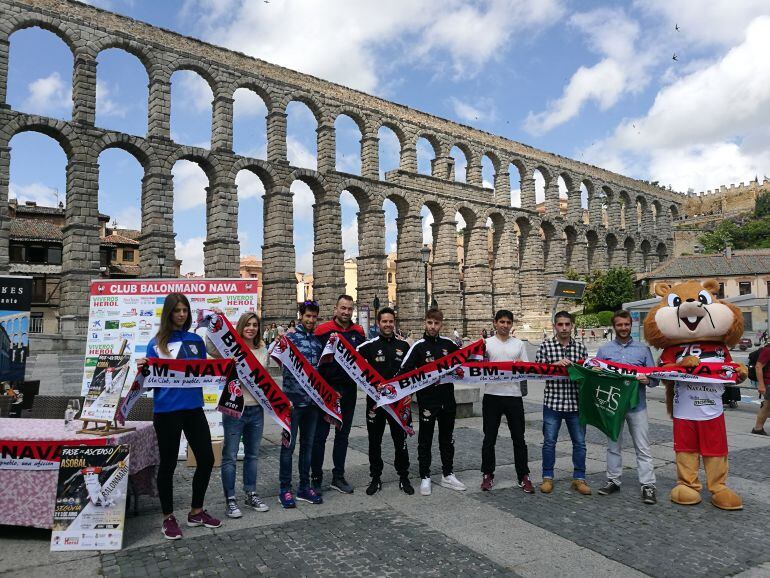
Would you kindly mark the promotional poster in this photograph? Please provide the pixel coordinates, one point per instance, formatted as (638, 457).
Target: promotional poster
(90, 508)
(110, 376)
(15, 301)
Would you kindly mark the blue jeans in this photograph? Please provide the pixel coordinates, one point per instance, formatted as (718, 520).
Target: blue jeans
(340, 449)
(577, 433)
(305, 419)
(249, 425)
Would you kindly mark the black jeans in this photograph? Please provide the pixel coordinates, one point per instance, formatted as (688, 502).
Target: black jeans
(493, 408)
(443, 413)
(168, 428)
(340, 451)
(375, 426)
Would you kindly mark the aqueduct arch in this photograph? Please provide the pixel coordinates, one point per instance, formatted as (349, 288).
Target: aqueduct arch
(521, 236)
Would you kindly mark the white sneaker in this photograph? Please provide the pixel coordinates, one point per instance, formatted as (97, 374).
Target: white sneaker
(232, 509)
(452, 483)
(425, 489)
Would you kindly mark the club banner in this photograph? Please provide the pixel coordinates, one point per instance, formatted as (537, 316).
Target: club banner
(604, 397)
(175, 373)
(504, 371)
(37, 454)
(106, 387)
(367, 378)
(250, 374)
(413, 381)
(706, 372)
(322, 394)
(15, 302)
(90, 508)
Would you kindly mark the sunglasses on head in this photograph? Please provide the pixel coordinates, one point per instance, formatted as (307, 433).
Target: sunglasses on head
(310, 303)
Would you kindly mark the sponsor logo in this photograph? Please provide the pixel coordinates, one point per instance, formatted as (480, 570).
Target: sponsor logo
(129, 313)
(146, 313)
(144, 325)
(112, 324)
(96, 324)
(128, 324)
(214, 300)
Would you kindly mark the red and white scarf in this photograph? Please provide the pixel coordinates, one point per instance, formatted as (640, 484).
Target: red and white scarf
(705, 372)
(367, 378)
(177, 374)
(322, 394)
(413, 381)
(251, 374)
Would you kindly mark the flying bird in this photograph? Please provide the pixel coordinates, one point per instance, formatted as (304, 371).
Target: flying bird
(676, 27)
(675, 57)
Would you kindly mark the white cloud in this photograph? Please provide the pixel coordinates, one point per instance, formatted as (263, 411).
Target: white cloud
(480, 111)
(427, 221)
(129, 218)
(307, 36)
(612, 35)
(705, 129)
(191, 254)
(191, 91)
(248, 104)
(48, 95)
(105, 104)
(299, 155)
(249, 186)
(190, 184)
(41, 194)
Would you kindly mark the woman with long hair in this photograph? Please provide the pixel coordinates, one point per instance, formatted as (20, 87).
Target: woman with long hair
(249, 426)
(177, 411)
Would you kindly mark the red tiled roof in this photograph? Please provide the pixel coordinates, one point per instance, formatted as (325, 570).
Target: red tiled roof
(120, 240)
(742, 262)
(34, 230)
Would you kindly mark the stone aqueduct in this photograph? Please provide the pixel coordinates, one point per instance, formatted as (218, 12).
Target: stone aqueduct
(630, 222)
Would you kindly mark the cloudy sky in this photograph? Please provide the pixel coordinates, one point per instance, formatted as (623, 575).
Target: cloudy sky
(594, 81)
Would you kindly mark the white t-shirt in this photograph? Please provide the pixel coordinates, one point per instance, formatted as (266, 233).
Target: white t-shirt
(512, 349)
(699, 401)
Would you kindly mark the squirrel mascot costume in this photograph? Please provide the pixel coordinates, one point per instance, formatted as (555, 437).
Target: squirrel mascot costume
(692, 326)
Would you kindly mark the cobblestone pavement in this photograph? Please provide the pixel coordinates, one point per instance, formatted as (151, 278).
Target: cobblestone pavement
(470, 533)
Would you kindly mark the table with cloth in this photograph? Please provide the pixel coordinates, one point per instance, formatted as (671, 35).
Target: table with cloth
(27, 496)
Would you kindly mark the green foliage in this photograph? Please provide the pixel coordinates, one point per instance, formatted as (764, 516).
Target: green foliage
(762, 206)
(588, 320)
(607, 291)
(753, 234)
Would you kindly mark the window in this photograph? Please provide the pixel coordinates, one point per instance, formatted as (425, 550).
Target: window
(768, 288)
(54, 255)
(38, 290)
(744, 287)
(747, 325)
(17, 254)
(113, 255)
(128, 255)
(721, 292)
(36, 254)
(390, 277)
(104, 258)
(36, 322)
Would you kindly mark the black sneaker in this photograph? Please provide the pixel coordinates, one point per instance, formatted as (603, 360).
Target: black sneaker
(374, 486)
(341, 485)
(315, 483)
(759, 432)
(648, 494)
(609, 488)
(406, 486)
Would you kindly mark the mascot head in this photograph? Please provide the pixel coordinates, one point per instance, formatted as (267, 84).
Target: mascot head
(690, 311)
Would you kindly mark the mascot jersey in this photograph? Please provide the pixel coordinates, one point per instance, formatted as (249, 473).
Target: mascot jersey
(697, 401)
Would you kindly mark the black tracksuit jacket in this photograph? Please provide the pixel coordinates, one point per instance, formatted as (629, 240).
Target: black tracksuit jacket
(424, 351)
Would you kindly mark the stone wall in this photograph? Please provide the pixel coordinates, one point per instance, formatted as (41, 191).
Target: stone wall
(629, 220)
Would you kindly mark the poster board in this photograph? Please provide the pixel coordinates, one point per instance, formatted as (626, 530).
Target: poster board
(90, 508)
(15, 302)
(111, 374)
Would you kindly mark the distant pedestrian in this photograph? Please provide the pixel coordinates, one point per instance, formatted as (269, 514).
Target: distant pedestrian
(763, 379)
(484, 333)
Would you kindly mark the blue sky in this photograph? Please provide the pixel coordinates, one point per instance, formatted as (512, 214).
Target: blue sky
(594, 81)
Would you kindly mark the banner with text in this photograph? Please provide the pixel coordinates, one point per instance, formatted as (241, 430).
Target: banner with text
(15, 301)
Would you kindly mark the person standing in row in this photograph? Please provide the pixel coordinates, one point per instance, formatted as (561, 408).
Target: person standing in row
(504, 399)
(338, 379)
(385, 353)
(177, 411)
(249, 426)
(624, 349)
(560, 403)
(436, 404)
(305, 415)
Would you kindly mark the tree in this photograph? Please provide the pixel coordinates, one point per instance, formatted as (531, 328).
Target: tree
(609, 290)
(762, 205)
(726, 233)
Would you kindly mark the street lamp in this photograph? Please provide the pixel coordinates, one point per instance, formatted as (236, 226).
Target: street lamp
(425, 257)
(161, 262)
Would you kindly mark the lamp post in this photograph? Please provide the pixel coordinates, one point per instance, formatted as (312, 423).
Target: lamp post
(161, 262)
(642, 289)
(425, 257)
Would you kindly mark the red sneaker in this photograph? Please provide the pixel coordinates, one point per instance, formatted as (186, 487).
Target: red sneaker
(202, 518)
(171, 529)
(526, 485)
(486, 482)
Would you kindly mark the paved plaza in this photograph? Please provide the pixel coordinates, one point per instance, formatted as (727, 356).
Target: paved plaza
(452, 534)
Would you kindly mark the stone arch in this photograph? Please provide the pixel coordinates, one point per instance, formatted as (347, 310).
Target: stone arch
(673, 211)
(312, 179)
(201, 157)
(646, 249)
(142, 53)
(263, 169)
(58, 130)
(359, 191)
(256, 86)
(353, 120)
(524, 229)
(400, 201)
(627, 216)
(140, 149)
(641, 211)
(662, 252)
(612, 246)
(592, 245)
(521, 169)
(307, 100)
(570, 240)
(61, 29)
(459, 171)
(354, 114)
(435, 145)
(629, 245)
(206, 73)
(657, 213)
(400, 138)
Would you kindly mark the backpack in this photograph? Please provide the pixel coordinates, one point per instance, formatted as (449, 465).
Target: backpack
(752, 365)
